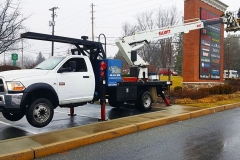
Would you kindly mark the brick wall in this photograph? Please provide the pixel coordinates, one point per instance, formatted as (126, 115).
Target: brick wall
(191, 44)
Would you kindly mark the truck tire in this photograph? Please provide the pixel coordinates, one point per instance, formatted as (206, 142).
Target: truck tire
(144, 101)
(13, 116)
(114, 103)
(40, 113)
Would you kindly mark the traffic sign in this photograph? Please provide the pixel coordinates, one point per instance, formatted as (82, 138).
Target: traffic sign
(14, 56)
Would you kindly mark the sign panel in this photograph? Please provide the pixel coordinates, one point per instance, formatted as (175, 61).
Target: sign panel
(210, 48)
(114, 72)
(14, 56)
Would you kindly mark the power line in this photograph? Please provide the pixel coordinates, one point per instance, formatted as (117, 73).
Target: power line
(134, 9)
(114, 2)
(133, 4)
(76, 13)
(74, 20)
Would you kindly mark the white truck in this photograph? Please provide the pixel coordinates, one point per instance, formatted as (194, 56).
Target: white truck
(230, 74)
(83, 77)
(70, 81)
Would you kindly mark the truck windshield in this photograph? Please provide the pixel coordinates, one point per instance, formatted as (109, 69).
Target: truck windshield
(50, 63)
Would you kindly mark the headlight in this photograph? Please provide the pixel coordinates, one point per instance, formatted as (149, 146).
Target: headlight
(15, 86)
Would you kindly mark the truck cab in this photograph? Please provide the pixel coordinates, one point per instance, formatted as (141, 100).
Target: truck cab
(57, 81)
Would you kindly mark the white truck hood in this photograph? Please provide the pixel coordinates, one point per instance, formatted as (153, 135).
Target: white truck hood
(16, 74)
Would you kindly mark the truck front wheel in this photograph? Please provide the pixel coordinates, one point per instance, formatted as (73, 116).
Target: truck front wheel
(40, 113)
(144, 101)
(13, 116)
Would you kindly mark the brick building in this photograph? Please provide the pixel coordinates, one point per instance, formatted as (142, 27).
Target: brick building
(203, 53)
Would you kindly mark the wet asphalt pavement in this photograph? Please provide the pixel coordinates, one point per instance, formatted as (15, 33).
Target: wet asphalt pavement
(211, 137)
(90, 113)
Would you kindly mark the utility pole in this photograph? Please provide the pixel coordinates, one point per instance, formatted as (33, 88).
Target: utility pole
(22, 52)
(228, 58)
(92, 22)
(4, 58)
(52, 23)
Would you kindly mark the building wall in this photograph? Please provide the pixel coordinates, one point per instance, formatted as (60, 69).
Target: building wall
(191, 52)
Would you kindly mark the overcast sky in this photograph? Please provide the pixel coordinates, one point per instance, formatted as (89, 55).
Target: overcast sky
(74, 19)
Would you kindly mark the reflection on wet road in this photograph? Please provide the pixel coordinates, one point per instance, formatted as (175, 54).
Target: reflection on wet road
(211, 137)
(87, 114)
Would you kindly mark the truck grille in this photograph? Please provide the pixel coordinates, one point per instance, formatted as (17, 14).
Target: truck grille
(1, 86)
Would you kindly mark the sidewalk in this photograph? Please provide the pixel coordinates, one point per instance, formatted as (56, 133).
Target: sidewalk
(35, 146)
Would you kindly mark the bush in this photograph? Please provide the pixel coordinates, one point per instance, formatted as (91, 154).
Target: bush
(214, 94)
(234, 83)
(8, 67)
(185, 93)
(222, 89)
(178, 92)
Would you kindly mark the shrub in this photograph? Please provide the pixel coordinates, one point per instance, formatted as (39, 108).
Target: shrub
(8, 67)
(178, 92)
(222, 89)
(234, 83)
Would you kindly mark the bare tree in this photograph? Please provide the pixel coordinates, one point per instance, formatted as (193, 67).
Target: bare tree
(231, 52)
(128, 29)
(28, 61)
(167, 17)
(145, 21)
(179, 54)
(10, 25)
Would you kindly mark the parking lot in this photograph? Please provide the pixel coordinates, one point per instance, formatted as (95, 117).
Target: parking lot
(90, 113)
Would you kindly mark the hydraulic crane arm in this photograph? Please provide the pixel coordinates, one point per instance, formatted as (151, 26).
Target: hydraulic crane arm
(138, 40)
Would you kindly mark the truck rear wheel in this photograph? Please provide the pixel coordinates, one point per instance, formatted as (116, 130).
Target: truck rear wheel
(40, 113)
(114, 103)
(144, 101)
(13, 116)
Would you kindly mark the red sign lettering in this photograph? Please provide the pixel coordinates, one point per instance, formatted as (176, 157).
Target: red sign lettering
(205, 70)
(164, 32)
(204, 14)
(206, 37)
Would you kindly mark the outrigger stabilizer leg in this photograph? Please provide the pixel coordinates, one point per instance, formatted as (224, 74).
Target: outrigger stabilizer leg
(165, 99)
(103, 110)
(103, 104)
(72, 112)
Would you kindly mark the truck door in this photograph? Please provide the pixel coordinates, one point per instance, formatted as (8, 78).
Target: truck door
(76, 85)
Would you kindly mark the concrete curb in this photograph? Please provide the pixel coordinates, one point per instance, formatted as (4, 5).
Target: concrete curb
(78, 142)
(202, 112)
(231, 106)
(21, 155)
(162, 121)
(53, 148)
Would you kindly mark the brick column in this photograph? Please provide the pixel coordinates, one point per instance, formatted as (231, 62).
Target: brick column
(192, 44)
